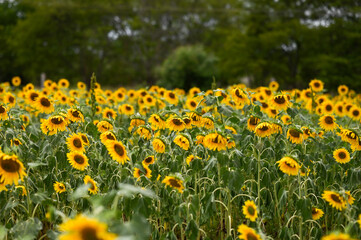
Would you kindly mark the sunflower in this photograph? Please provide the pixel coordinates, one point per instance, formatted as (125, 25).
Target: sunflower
(84, 138)
(174, 183)
(208, 123)
(334, 199)
(93, 189)
(337, 236)
(341, 155)
(273, 86)
(11, 169)
(328, 123)
(10, 100)
(307, 133)
(117, 151)
(15, 142)
(349, 136)
(215, 141)
(44, 126)
(44, 105)
(31, 97)
(148, 160)
(250, 210)
(104, 126)
(59, 187)
(340, 109)
(316, 213)
(196, 119)
(107, 136)
(200, 139)
(354, 113)
(193, 91)
(57, 123)
(119, 95)
(279, 102)
(135, 122)
(16, 81)
(247, 233)
(252, 123)
(3, 113)
(22, 189)
(75, 115)
(264, 129)
(342, 90)
(175, 124)
(139, 172)
(144, 132)
(171, 97)
(239, 97)
(75, 143)
(289, 166)
(350, 199)
(327, 107)
(182, 141)
(126, 109)
(84, 228)
(231, 129)
(286, 119)
(191, 104)
(78, 160)
(157, 122)
(316, 85)
(190, 158)
(63, 83)
(158, 145)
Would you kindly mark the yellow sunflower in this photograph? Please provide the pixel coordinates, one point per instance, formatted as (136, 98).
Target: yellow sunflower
(264, 129)
(75, 143)
(139, 172)
(171, 97)
(175, 124)
(340, 109)
(84, 138)
(341, 155)
(109, 113)
(327, 107)
(250, 210)
(350, 199)
(208, 123)
(93, 189)
(273, 86)
(337, 236)
(279, 102)
(75, 115)
(196, 119)
(182, 141)
(78, 160)
(316, 85)
(144, 132)
(174, 183)
(334, 199)
(359, 220)
(59, 187)
(252, 123)
(190, 158)
(9, 99)
(11, 169)
(63, 83)
(215, 141)
(158, 145)
(191, 104)
(239, 97)
(126, 109)
(316, 213)
(289, 166)
(135, 122)
(342, 90)
(22, 189)
(354, 113)
(16, 81)
(107, 136)
(3, 113)
(328, 123)
(44, 105)
(84, 228)
(157, 122)
(57, 123)
(15, 142)
(286, 119)
(247, 233)
(104, 126)
(148, 160)
(117, 151)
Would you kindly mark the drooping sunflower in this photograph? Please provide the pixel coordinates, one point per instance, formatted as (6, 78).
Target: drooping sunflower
(341, 155)
(107, 136)
(190, 158)
(59, 187)
(117, 151)
(175, 124)
(316, 85)
(286, 119)
(215, 141)
(350, 198)
(342, 90)
(247, 233)
(250, 210)
(208, 123)
(57, 123)
(93, 189)
(289, 166)
(84, 228)
(75, 143)
(328, 123)
(279, 102)
(157, 122)
(337, 236)
(316, 213)
(16, 81)
(182, 141)
(104, 126)
(334, 199)
(158, 145)
(84, 138)
(148, 160)
(264, 129)
(78, 160)
(188, 122)
(140, 172)
(144, 132)
(348, 135)
(3, 113)
(252, 123)
(174, 183)
(135, 122)
(196, 119)
(75, 115)
(200, 139)
(239, 97)
(230, 128)
(11, 169)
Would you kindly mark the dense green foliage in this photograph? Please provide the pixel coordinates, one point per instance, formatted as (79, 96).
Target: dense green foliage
(125, 41)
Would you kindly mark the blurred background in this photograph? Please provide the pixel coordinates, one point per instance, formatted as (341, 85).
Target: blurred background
(182, 43)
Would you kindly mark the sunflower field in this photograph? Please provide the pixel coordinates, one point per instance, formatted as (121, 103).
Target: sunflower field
(232, 163)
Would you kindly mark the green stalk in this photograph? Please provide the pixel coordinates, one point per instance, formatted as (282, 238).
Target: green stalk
(220, 199)
(301, 218)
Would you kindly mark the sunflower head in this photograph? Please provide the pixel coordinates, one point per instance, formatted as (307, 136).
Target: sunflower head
(341, 155)
(334, 199)
(117, 151)
(93, 189)
(11, 169)
(78, 160)
(289, 166)
(250, 210)
(247, 233)
(316, 85)
(59, 187)
(174, 182)
(316, 213)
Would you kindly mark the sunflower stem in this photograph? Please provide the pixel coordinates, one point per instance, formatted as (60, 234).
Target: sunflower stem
(301, 218)
(220, 199)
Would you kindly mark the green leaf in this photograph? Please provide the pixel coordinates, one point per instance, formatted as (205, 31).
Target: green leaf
(225, 110)
(192, 230)
(304, 206)
(28, 229)
(3, 232)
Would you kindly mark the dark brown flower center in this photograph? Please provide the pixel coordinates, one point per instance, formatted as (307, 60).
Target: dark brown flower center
(329, 120)
(128, 108)
(84, 138)
(264, 128)
(171, 95)
(2, 109)
(355, 113)
(77, 143)
(79, 159)
(148, 159)
(251, 236)
(75, 113)
(177, 121)
(174, 183)
(45, 102)
(253, 121)
(10, 166)
(251, 210)
(109, 114)
(316, 85)
(280, 99)
(342, 155)
(89, 233)
(149, 99)
(119, 149)
(110, 136)
(336, 198)
(193, 104)
(328, 107)
(186, 120)
(294, 133)
(57, 120)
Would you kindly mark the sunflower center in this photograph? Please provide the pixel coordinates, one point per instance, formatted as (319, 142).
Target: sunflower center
(174, 183)
(84, 139)
(57, 120)
(89, 233)
(251, 210)
(342, 155)
(289, 164)
(251, 236)
(280, 99)
(33, 96)
(2, 109)
(316, 84)
(77, 143)
(16, 142)
(336, 198)
(60, 187)
(340, 109)
(110, 136)
(11, 99)
(119, 149)
(264, 105)
(148, 159)
(120, 95)
(328, 120)
(75, 114)
(128, 108)
(308, 94)
(355, 113)
(328, 107)
(177, 122)
(314, 211)
(193, 104)
(253, 121)
(149, 99)
(45, 102)
(264, 128)
(79, 159)
(10, 166)
(171, 95)
(268, 92)
(186, 120)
